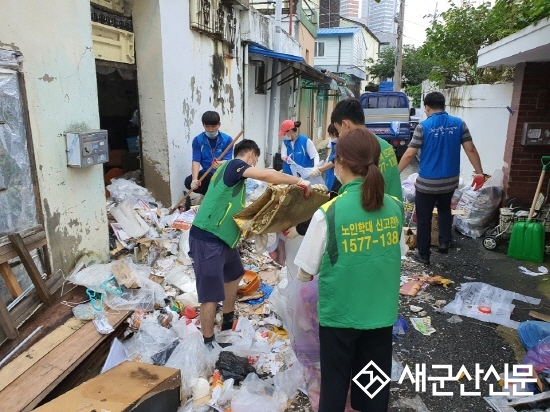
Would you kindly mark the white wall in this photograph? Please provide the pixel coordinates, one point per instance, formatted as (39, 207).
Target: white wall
(330, 58)
(483, 108)
(60, 80)
(181, 74)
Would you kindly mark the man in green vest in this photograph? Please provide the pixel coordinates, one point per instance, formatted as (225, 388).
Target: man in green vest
(214, 235)
(348, 115)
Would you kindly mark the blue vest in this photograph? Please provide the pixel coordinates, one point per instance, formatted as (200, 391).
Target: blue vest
(329, 174)
(298, 154)
(206, 150)
(440, 152)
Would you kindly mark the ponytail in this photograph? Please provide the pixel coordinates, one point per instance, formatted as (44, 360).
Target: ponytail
(372, 189)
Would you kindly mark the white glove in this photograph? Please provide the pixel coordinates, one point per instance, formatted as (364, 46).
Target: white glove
(287, 159)
(195, 184)
(303, 276)
(306, 185)
(290, 233)
(315, 173)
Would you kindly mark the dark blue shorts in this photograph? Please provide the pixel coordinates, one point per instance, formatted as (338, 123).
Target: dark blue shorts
(214, 264)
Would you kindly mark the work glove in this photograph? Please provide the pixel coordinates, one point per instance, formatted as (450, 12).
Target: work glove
(287, 159)
(478, 181)
(306, 185)
(216, 163)
(315, 173)
(303, 276)
(290, 233)
(195, 184)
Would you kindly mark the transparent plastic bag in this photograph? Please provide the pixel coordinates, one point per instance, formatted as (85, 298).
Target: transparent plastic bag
(122, 189)
(92, 277)
(290, 381)
(539, 355)
(193, 358)
(256, 395)
(305, 173)
(150, 340)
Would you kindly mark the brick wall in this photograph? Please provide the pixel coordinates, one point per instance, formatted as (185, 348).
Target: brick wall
(329, 15)
(530, 103)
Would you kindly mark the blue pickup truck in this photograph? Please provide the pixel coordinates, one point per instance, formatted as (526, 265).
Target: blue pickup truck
(387, 114)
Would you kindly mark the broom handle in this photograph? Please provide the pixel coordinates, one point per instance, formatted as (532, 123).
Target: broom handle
(539, 187)
(184, 198)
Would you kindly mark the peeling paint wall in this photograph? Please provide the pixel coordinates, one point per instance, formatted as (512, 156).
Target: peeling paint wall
(60, 81)
(483, 108)
(181, 74)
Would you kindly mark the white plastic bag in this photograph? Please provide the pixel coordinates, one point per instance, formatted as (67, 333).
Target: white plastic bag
(256, 395)
(305, 173)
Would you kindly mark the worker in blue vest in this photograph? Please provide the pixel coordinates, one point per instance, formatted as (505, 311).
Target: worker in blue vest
(331, 182)
(207, 147)
(296, 147)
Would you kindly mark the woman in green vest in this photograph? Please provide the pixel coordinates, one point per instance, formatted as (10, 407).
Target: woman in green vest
(353, 244)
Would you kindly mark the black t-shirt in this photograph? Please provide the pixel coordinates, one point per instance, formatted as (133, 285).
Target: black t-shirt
(232, 175)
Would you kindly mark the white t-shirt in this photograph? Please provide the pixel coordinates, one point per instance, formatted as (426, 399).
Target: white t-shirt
(313, 246)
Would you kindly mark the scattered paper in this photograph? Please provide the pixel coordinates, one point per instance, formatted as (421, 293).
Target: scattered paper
(487, 303)
(117, 355)
(542, 271)
(102, 324)
(423, 325)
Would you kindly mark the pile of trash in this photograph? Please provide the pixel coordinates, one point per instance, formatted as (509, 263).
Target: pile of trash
(151, 275)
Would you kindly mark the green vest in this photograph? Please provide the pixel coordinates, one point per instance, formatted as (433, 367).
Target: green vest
(361, 266)
(390, 171)
(218, 207)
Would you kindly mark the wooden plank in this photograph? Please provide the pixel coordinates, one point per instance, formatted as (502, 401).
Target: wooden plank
(540, 316)
(9, 279)
(25, 360)
(32, 242)
(31, 268)
(30, 304)
(7, 322)
(5, 241)
(26, 392)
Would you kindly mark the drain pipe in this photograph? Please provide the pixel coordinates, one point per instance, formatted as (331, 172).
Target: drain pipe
(273, 123)
(339, 53)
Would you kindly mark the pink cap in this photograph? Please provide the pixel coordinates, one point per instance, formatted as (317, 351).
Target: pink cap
(286, 126)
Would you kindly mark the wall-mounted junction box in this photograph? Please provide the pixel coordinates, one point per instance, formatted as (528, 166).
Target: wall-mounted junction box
(87, 148)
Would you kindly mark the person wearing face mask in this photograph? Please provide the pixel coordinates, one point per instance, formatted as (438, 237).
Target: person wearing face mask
(331, 182)
(296, 147)
(353, 244)
(207, 147)
(214, 235)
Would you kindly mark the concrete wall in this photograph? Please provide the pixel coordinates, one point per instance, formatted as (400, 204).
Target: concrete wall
(307, 43)
(181, 74)
(530, 103)
(60, 80)
(483, 108)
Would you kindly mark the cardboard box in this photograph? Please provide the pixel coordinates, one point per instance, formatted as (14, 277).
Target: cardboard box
(128, 387)
(435, 226)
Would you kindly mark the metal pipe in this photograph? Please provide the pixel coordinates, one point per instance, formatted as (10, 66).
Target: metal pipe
(339, 53)
(290, 12)
(20, 345)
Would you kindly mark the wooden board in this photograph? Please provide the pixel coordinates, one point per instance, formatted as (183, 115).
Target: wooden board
(540, 316)
(25, 392)
(25, 360)
(135, 383)
(9, 279)
(33, 238)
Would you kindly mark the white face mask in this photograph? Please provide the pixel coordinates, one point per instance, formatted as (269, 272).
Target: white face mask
(211, 135)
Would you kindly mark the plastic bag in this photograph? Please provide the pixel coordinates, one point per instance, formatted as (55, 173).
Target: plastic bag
(234, 367)
(539, 355)
(183, 278)
(183, 254)
(256, 395)
(290, 381)
(480, 206)
(193, 358)
(305, 173)
(92, 277)
(122, 189)
(532, 332)
(254, 189)
(150, 340)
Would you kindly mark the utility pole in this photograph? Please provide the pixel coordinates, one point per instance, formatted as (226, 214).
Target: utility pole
(399, 49)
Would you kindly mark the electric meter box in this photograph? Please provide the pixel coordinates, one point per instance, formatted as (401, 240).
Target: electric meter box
(87, 148)
(536, 134)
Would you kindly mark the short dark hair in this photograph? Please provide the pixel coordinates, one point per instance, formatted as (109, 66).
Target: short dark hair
(348, 109)
(435, 100)
(211, 118)
(245, 146)
(331, 129)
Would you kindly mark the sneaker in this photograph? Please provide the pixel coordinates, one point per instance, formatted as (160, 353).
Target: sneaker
(421, 258)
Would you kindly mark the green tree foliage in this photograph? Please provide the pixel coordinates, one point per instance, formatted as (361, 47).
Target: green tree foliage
(416, 67)
(452, 43)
